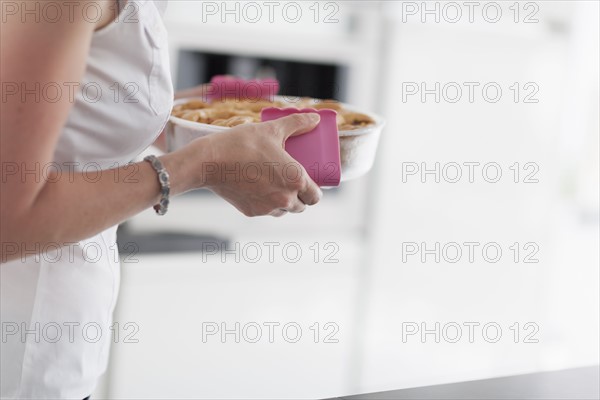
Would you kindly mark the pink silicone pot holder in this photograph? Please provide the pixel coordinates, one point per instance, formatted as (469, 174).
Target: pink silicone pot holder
(318, 150)
(225, 86)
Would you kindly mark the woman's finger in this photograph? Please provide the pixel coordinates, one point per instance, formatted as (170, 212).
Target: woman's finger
(298, 206)
(295, 124)
(278, 213)
(311, 193)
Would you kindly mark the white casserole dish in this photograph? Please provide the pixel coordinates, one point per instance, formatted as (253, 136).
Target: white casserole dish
(358, 147)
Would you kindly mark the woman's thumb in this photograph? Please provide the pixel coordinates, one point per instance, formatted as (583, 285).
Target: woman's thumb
(295, 124)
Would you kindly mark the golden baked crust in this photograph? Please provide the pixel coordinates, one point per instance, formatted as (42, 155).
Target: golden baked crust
(233, 112)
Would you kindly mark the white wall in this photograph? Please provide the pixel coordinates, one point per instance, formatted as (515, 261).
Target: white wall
(560, 293)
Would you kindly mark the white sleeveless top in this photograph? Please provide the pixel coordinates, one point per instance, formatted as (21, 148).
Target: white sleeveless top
(56, 308)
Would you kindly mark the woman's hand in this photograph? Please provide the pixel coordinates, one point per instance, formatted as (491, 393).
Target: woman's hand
(248, 167)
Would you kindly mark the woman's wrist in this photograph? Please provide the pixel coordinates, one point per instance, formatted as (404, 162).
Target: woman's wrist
(186, 166)
(179, 172)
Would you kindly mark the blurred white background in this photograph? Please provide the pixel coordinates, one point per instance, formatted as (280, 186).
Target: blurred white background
(378, 290)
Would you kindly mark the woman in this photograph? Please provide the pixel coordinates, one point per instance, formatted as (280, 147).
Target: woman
(66, 183)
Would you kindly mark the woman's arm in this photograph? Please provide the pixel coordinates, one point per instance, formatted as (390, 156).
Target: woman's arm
(35, 212)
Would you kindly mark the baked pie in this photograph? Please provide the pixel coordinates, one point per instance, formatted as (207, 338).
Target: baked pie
(233, 112)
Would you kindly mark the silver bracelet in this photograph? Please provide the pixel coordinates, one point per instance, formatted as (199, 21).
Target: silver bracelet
(165, 184)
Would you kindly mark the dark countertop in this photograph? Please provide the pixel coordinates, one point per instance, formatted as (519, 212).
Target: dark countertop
(577, 383)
